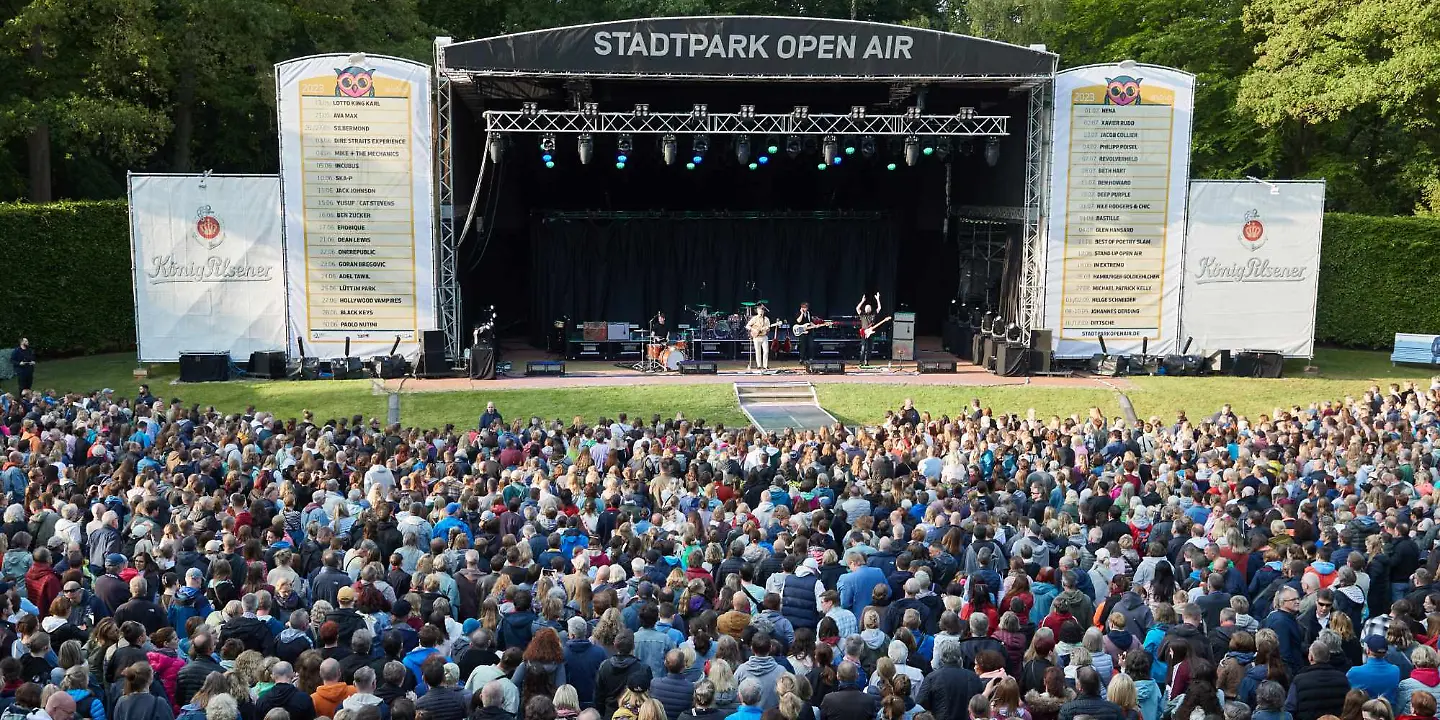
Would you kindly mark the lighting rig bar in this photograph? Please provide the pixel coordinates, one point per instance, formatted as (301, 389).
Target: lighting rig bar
(965, 124)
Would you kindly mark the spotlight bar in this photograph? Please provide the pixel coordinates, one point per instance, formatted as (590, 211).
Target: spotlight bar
(798, 122)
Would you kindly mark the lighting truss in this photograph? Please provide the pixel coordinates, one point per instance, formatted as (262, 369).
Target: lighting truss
(912, 122)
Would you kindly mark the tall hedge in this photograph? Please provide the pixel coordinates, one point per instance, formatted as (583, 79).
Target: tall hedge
(66, 277)
(1378, 276)
(66, 280)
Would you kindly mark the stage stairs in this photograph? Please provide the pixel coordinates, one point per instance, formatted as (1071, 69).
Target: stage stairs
(774, 406)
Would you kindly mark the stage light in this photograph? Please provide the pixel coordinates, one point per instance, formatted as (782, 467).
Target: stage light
(837, 160)
(792, 146)
(821, 166)
(772, 149)
(942, 148)
(992, 151)
(690, 166)
(497, 147)
(763, 159)
(912, 150)
(928, 151)
(867, 146)
(699, 146)
(620, 165)
(754, 165)
(831, 149)
(550, 164)
(850, 149)
(669, 149)
(624, 147)
(742, 149)
(622, 159)
(585, 146)
(891, 166)
(547, 149)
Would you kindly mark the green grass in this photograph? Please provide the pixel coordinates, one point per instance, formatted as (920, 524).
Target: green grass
(1341, 373)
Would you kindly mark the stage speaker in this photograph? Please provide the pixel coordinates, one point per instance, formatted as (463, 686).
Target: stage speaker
(1243, 364)
(1258, 364)
(387, 367)
(432, 364)
(432, 341)
(267, 364)
(992, 353)
(1012, 360)
(699, 367)
(1040, 359)
(1108, 365)
(1220, 362)
(937, 366)
(977, 349)
(1041, 339)
(482, 362)
(826, 367)
(204, 367)
(544, 368)
(347, 368)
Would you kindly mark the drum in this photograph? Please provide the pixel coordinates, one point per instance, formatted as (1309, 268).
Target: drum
(655, 351)
(721, 331)
(672, 358)
(680, 345)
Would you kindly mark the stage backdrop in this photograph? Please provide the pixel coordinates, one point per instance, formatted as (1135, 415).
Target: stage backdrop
(1252, 265)
(1116, 230)
(208, 263)
(355, 168)
(627, 269)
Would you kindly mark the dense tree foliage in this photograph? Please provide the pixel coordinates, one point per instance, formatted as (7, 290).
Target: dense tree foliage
(1348, 90)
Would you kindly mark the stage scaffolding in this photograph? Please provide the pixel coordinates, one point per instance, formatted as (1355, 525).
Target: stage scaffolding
(588, 118)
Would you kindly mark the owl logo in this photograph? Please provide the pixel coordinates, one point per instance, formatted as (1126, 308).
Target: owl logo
(354, 82)
(208, 230)
(1252, 232)
(1122, 90)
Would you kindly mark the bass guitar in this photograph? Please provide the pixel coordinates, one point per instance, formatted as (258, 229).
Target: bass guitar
(867, 332)
(804, 329)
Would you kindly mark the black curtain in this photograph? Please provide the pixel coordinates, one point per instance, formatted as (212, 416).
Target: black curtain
(621, 268)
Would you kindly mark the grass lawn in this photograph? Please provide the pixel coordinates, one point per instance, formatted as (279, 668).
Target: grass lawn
(1341, 372)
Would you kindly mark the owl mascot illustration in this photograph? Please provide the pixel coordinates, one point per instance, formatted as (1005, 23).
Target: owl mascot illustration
(1122, 90)
(354, 82)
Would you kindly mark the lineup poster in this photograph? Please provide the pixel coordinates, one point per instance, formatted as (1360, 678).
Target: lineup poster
(1252, 245)
(355, 172)
(209, 266)
(1116, 232)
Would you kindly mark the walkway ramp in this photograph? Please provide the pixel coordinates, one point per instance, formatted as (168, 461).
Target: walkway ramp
(774, 406)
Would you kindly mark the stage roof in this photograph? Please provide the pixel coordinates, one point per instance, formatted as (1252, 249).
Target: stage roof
(738, 48)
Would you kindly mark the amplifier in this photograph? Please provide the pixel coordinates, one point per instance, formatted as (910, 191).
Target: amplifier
(937, 366)
(699, 367)
(826, 367)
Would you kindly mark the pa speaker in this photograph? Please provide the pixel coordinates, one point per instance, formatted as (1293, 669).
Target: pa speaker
(267, 364)
(544, 368)
(482, 362)
(1012, 360)
(826, 367)
(1257, 364)
(699, 367)
(432, 364)
(432, 341)
(205, 367)
(387, 367)
(977, 349)
(937, 366)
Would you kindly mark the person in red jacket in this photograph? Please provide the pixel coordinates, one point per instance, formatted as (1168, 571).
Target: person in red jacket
(42, 585)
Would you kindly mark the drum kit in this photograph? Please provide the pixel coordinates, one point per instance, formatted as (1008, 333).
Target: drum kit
(713, 324)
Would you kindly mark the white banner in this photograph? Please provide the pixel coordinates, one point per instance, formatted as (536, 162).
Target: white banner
(1252, 265)
(1117, 223)
(355, 168)
(209, 265)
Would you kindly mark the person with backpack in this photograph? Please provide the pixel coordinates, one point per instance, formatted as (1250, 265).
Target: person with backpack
(87, 697)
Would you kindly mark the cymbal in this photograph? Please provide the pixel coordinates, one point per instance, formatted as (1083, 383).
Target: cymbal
(748, 304)
(702, 305)
(762, 302)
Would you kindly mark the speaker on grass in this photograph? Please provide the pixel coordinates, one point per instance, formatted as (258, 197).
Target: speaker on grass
(482, 362)
(826, 367)
(1258, 364)
(544, 368)
(1012, 360)
(1243, 364)
(937, 366)
(699, 367)
(267, 364)
(387, 367)
(205, 367)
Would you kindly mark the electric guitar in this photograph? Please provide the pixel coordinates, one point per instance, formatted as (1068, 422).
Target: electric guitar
(804, 329)
(867, 332)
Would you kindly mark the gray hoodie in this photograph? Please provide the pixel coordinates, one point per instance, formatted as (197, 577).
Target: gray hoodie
(767, 672)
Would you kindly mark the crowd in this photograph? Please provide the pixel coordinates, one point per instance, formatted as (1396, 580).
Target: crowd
(164, 561)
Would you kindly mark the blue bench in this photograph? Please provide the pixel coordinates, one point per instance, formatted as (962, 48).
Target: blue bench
(1416, 349)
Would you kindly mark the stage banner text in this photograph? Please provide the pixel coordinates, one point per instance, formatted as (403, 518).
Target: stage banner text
(1115, 235)
(209, 265)
(1252, 265)
(355, 170)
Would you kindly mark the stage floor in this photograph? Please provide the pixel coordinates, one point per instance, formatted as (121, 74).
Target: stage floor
(610, 374)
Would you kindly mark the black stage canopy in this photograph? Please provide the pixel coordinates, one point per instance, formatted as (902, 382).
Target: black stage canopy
(747, 47)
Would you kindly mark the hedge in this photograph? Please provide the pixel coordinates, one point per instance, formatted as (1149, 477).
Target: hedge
(67, 278)
(1378, 276)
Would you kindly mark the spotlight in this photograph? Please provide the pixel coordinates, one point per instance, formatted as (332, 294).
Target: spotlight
(699, 146)
(850, 148)
(792, 146)
(867, 146)
(772, 148)
(942, 148)
(831, 149)
(890, 166)
(585, 146)
(496, 146)
(669, 149)
(547, 149)
(763, 159)
(837, 160)
(619, 165)
(928, 151)
(992, 151)
(742, 149)
(912, 150)
(821, 166)
(550, 164)
(690, 166)
(752, 166)
(624, 147)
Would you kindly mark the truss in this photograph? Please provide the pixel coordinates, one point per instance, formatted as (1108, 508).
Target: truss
(1032, 254)
(447, 281)
(560, 122)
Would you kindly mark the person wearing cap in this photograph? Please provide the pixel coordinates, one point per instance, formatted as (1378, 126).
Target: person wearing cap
(1378, 677)
(112, 590)
(450, 521)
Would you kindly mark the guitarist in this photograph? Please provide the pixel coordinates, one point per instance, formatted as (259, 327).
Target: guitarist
(867, 319)
(805, 340)
(759, 327)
